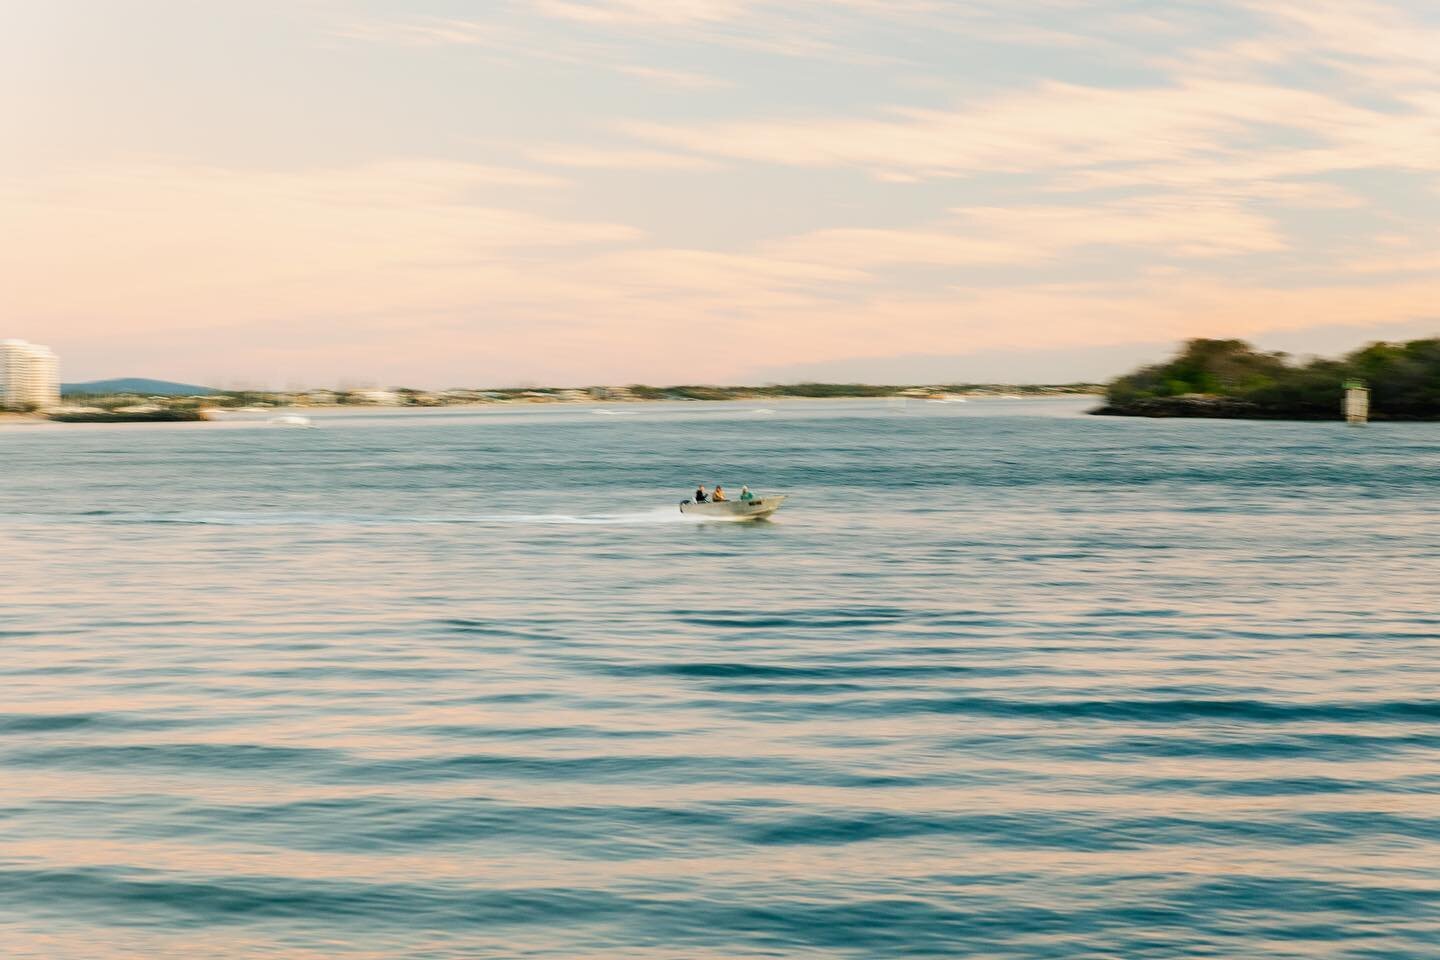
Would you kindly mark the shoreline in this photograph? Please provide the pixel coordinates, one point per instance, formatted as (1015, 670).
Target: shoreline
(599, 402)
(254, 415)
(1230, 408)
(143, 400)
(235, 414)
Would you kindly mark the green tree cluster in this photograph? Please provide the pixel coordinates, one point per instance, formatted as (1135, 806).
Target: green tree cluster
(1404, 380)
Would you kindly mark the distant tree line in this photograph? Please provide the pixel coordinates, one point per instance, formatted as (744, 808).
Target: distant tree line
(1230, 378)
(695, 392)
(835, 390)
(405, 396)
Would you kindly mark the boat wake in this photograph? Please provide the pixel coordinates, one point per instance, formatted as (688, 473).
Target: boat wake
(667, 515)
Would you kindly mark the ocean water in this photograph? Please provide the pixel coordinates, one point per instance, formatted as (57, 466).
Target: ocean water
(1000, 681)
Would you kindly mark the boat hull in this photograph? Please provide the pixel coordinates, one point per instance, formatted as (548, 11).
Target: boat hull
(757, 509)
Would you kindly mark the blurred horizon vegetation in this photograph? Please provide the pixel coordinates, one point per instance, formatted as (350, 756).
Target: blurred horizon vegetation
(1403, 379)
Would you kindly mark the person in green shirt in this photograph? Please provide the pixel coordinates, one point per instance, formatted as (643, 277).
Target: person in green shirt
(745, 494)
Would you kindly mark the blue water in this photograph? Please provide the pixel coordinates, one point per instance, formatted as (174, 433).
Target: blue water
(1000, 681)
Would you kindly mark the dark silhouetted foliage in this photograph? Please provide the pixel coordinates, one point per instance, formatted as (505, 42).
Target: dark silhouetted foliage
(1231, 378)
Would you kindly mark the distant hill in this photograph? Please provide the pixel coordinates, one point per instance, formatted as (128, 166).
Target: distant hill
(136, 385)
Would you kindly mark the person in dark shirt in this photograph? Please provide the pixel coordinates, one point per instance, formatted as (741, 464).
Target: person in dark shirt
(700, 496)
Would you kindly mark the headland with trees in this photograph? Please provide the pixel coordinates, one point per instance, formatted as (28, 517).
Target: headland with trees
(1231, 379)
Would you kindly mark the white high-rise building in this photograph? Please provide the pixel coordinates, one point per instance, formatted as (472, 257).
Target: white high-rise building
(29, 375)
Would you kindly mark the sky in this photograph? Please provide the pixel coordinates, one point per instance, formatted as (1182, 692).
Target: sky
(446, 193)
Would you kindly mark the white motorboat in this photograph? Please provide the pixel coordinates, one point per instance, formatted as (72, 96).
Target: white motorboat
(757, 509)
(291, 421)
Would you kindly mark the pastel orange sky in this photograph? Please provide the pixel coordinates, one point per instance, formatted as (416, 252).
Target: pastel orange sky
(456, 192)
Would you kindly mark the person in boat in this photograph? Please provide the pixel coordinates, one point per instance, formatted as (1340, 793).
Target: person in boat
(745, 494)
(700, 496)
(719, 495)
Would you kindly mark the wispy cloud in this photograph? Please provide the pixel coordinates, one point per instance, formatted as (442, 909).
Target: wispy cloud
(513, 40)
(1152, 134)
(1173, 226)
(179, 244)
(642, 11)
(1424, 263)
(674, 78)
(425, 31)
(1226, 117)
(609, 158)
(831, 30)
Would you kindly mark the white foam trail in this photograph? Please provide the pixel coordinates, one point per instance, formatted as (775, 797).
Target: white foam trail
(655, 516)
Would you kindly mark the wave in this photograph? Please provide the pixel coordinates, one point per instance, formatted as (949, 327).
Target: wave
(601, 831)
(48, 722)
(184, 756)
(860, 675)
(331, 765)
(890, 920)
(837, 617)
(1121, 710)
(232, 898)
